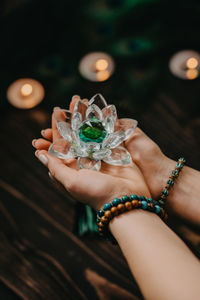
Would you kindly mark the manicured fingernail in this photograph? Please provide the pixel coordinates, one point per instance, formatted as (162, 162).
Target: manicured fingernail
(50, 176)
(42, 132)
(33, 142)
(56, 108)
(75, 96)
(43, 159)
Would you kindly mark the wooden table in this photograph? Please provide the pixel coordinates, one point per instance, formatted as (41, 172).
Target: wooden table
(40, 255)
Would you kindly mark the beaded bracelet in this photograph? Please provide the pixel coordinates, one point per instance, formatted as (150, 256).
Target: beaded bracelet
(120, 205)
(174, 175)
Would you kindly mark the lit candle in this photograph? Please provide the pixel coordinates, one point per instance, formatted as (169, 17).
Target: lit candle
(96, 66)
(25, 93)
(185, 64)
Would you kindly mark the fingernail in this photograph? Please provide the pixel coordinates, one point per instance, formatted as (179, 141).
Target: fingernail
(75, 96)
(43, 159)
(33, 142)
(50, 176)
(42, 132)
(56, 107)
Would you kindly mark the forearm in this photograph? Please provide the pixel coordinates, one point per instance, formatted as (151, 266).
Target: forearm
(184, 197)
(162, 265)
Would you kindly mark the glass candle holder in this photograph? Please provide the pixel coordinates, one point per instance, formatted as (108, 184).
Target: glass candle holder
(25, 93)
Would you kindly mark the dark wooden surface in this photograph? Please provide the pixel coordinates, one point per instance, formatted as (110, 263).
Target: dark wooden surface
(40, 255)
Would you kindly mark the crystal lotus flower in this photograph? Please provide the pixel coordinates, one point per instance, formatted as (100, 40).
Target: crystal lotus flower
(92, 133)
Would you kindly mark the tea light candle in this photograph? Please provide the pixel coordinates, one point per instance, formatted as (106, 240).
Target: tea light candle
(25, 93)
(185, 64)
(96, 66)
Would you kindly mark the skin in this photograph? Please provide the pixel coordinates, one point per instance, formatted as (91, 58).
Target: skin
(161, 263)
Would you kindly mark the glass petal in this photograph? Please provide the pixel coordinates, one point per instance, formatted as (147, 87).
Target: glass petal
(63, 122)
(76, 121)
(109, 111)
(109, 124)
(128, 126)
(94, 111)
(119, 156)
(87, 163)
(98, 100)
(80, 107)
(114, 139)
(109, 115)
(101, 154)
(61, 149)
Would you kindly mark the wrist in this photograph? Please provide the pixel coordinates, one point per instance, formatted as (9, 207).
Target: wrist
(160, 174)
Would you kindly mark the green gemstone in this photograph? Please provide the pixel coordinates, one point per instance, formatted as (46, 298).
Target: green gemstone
(92, 131)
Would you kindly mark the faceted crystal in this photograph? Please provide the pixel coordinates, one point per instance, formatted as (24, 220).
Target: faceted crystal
(87, 163)
(93, 111)
(101, 154)
(76, 121)
(61, 149)
(128, 125)
(80, 107)
(110, 111)
(99, 100)
(119, 156)
(92, 131)
(114, 139)
(63, 122)
(65, 130)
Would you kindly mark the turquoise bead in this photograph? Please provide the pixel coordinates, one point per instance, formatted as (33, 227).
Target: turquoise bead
(100, 213)
(170, 182)
(116, 201)
(143, 198)
(157, 209)
(134, 197)
(150, 200)
(175, 173)
(165, 192)
(144, 204)
(107, 206)
(125, 199)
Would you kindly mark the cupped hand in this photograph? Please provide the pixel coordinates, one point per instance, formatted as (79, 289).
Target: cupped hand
(154, 165)
(88, 186)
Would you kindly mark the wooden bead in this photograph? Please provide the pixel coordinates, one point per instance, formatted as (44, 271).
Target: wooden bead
(100, 224)
(128, 205)
(165, 216)
(135, 203)
(139, 204)
(104, 220)
(162, 213)
(150, 206)
(100, 229)
(114, 211)
(108, 214)
(120, 207)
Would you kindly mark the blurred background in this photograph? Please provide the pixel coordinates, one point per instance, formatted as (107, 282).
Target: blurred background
(141, 55)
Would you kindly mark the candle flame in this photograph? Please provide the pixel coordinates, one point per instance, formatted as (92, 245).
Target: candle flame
(103, 75)
(192, 63)
(26, 89)
(101, 64)
(192, 74)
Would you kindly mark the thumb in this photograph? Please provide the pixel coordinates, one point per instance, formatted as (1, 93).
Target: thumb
(58, 169)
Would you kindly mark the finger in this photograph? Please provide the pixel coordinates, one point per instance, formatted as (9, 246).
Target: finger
(41, 144)
(75, 98)
(47, 134)
(55, 133)
(57, 183)
(58, 169)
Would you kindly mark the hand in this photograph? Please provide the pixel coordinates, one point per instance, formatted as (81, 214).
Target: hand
(90, 187)
(154, 165)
